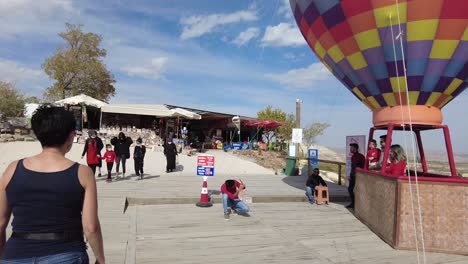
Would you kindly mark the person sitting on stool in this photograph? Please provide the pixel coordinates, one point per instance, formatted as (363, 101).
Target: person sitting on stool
(313, 181)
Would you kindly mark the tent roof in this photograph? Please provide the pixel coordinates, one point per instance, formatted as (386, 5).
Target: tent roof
(185, 113)
(81, 99)
(149, 110)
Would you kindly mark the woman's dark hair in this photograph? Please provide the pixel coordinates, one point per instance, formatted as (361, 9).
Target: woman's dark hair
(52, 125)
(121, 136)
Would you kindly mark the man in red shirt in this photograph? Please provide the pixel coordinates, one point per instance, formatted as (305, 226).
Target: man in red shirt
(230, 191)
(357, 161)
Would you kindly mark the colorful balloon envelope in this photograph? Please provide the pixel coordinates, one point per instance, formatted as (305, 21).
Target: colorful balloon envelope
(368, 44)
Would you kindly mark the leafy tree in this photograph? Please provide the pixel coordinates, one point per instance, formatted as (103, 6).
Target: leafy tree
(78, 67)
(11, 101)
(288, 120)
(313, 131)
(32, 100)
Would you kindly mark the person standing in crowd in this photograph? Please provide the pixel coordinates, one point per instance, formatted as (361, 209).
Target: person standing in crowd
(397, 166)
(110, 158)
(230, 195)
(357, 161)
(313, 181)
(53, 199)
(139, 157)
(373, 154)
(122, 150)
(92, 149)
(100, 147)
(170, 150)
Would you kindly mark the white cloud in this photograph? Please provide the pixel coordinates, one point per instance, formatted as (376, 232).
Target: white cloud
(246, 36)
(283, 35)
(152, 70)
(285, 9)
(196, 26)
(303, 77)
(11, 71)
(33, 16)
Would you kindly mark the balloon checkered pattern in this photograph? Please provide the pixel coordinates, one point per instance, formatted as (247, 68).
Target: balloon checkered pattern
(354, 40)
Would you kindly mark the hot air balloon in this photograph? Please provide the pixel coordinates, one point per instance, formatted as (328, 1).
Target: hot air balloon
(405, 60)
(389, 54)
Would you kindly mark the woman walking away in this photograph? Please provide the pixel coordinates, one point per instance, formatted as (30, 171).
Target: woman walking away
(53, 199)
(122, 150)
(170, 151)
(92, 149)
(139, 157)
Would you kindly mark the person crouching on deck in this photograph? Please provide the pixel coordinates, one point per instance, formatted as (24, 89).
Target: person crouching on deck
(230, 191)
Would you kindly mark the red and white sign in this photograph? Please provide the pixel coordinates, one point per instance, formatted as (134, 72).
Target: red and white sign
(206, 161)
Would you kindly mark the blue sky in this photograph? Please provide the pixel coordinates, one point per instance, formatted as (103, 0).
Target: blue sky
(229, 56)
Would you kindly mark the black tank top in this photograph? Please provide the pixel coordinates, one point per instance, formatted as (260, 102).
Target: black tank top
(44, 203)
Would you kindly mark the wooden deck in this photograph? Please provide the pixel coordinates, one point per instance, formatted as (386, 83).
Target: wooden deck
(294, 232)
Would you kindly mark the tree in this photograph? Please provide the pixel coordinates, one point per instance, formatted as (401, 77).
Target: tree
(32, 100)
(11, 101)
(78, 67)
(313, 131)
(288, 121)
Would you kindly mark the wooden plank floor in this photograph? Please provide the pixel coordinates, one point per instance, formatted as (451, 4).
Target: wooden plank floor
(274, 233)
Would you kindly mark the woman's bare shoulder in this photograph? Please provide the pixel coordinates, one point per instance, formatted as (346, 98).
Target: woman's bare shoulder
(85, 175)
(8, 174)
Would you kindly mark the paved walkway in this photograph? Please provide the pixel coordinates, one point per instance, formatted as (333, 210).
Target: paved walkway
(183, 233)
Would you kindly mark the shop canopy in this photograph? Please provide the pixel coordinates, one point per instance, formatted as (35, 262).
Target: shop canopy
(81, 99)
(267, 124)
(149, 110)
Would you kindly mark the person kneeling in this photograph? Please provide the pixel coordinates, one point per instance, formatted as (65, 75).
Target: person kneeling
(312, 183)
(230, 191)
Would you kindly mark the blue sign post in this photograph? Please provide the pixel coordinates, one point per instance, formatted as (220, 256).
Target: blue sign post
(313, 154)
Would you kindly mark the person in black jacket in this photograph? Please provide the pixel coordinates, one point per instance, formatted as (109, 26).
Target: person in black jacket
(312, 183)
(139, 156)
(170, 150)
(100, 147)
(122, 150)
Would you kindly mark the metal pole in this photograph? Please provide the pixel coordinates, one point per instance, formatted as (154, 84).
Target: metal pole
(298, 124)
(298, 113)
(100, 122)
(421, 150)
(371, 136)
(388, 142)
(448, 144)
(339, 174)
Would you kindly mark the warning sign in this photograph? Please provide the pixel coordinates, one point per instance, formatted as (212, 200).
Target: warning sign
(205, 165)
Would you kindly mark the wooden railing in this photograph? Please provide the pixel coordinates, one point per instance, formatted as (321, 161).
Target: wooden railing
(337, 163)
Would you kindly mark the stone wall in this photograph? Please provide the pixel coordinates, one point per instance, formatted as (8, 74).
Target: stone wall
(375, 204)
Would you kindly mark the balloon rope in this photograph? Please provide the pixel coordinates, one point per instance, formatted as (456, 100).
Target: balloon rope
(412, 138)
(405, 139)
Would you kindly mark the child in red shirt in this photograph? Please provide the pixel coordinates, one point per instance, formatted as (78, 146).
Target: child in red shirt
(110, 158)
(373, 154)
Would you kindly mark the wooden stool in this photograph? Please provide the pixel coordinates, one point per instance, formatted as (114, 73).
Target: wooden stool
(321, 195)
